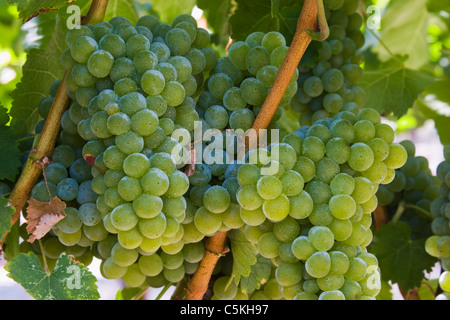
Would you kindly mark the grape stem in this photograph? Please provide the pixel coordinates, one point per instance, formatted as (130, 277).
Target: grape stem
(44, 146)
(311, 25)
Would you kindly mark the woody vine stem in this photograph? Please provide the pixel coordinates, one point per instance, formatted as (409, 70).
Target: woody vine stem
(311, 25)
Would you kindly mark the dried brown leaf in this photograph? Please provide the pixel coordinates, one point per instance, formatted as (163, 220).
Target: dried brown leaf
(42, 216)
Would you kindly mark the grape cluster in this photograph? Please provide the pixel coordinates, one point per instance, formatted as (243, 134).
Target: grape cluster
(330, 84)
(133, 87)
(414, 187)
(306, 204)
(438, 245)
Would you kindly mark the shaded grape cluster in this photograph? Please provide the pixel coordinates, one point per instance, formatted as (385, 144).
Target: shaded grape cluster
(414, 187)
(328, 84)
(438, 244)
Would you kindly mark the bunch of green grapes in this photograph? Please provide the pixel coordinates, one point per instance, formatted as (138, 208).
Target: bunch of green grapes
(133, 87)
(307, 202)
(329, 85)
(438, 245)
(415, 188)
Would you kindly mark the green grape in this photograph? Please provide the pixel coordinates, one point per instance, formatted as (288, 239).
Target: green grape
(89, 214)
(257, 57)
(363, 191)
(144, 122)
(153, 82)
(111, 270)
(385, 132)
(397, 156)
(253, 91)
(173, 93)
(269, 187)
(129, 188)
(153, 228)
(313, 148)
(100, 63)
(129, 143)
(357, 270)
(332, 80)
(342, 206)
(320, 192)
(361, 157)
(318, 264)
(273, 40)
(210, 58)
(136, 165)
(155, 182)
(302, 248)
(82, 77)
(216, 117)
(289, 274)
(157, 104)
(268, 245)
(252, 217)
(241, 119)
(276, 209)
(216, 199)
(322, 238)
(71, 223)
(219, 84)
(151, 265)
(123, 217)
(182, 66)
(301, 206)
(82, 48)
(207, 222)
(133, 277)
(332, 295)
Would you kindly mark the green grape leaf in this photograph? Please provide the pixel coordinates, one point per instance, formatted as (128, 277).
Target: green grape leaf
(435, 105)
(385, 292)
(41, 69)
(5, 216)
(4, 116)
(265, 15)
(394, 88)
(438, 5)
(244, 255)
(123, 8)
(170, 9)
(260, 273)
(428, 288)
(405, 30)
(401, 259)
(217, 13)
(69, 279)
(127, 293)
(9, 154)
(30, 8)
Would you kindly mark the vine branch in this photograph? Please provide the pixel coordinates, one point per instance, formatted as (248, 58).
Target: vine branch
(311, 25)
(46, 142)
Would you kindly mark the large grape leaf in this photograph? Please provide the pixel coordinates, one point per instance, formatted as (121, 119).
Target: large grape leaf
(217, 13)
(123, 8)
(260, 273)
(244, 255)
(401, 259)
(69, 279)
(5, 216)
(265, 15)
(169, 9)
(41, 69)
(404, 30)
(435, 105)
(9, 149)
(394, 88)
(30, 8)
